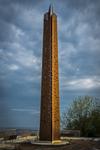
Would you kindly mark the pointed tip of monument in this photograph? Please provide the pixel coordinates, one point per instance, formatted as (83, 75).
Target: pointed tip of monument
(51, 9)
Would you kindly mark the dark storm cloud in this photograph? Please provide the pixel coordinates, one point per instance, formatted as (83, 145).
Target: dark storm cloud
(21, 24)
(83, 14)
(79, 48)
(12, 15)
(88, 11)
(80, 5)
(18, 57)
(24, 3)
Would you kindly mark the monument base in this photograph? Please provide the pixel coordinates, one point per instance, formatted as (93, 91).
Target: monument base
(50, 143)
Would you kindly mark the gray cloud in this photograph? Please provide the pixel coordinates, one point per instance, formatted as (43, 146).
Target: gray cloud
(21, 25)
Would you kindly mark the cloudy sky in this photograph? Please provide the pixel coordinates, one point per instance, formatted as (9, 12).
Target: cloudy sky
(21, 32)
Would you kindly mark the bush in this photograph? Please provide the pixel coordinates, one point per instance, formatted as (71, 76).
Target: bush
(83, 115)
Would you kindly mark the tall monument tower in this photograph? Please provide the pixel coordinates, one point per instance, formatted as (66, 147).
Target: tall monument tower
(50, 113)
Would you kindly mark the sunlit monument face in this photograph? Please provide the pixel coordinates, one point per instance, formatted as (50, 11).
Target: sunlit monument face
(50, 114)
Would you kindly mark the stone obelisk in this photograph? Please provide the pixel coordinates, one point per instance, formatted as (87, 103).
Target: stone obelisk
(50, 111)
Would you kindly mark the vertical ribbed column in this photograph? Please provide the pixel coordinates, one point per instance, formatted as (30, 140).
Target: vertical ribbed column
(46, 86)
(55, 82)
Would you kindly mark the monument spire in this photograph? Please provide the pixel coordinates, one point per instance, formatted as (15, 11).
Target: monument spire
(51, 9)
